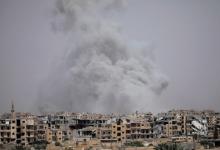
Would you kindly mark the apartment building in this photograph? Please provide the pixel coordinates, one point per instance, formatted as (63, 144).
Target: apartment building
(6, 134)
(176, 123)
(17, 128)
(124, 130)
(173, 128)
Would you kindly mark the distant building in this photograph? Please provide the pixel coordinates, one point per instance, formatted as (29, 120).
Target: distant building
(17, 128)
(175, 125)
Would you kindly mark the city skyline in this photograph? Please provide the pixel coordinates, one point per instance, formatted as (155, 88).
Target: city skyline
(183, 128)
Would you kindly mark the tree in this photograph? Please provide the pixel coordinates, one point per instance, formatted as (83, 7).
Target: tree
(135, 144)
(57, 144)
(165, 146)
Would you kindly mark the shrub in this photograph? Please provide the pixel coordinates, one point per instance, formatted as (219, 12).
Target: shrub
(90, 148)
(135, 144)
(165, 146)
(57, 144)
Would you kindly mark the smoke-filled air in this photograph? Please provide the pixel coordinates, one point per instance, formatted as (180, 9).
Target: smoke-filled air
(101, 70)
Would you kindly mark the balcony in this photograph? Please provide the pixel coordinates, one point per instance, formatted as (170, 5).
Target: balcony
(30, 135)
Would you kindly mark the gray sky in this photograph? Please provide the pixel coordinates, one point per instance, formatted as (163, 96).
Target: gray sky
(185, 36)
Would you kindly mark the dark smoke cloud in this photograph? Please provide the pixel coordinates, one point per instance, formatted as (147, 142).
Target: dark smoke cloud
(100, 71)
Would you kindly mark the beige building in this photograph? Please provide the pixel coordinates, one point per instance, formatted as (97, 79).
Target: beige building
(18, 128)
(122, 131)
(173, 128)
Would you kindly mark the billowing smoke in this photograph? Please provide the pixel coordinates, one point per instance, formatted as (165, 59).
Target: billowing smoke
(100, 71)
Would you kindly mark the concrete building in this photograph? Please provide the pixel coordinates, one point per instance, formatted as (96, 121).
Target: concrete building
(17, 128)
(124, 130)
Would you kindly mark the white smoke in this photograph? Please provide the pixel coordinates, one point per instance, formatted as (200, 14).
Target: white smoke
(100, 71)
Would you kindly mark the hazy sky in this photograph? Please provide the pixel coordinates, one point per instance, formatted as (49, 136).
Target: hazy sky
(185, 36)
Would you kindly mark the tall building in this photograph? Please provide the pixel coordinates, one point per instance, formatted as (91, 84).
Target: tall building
(17, 128)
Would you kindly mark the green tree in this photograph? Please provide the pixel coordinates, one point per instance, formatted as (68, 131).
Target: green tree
(165, 146)
(135, 144)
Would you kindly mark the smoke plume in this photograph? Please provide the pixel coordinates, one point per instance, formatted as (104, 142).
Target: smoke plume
(100, 71)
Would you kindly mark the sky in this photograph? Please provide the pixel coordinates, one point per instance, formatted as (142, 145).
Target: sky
(185, 37)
